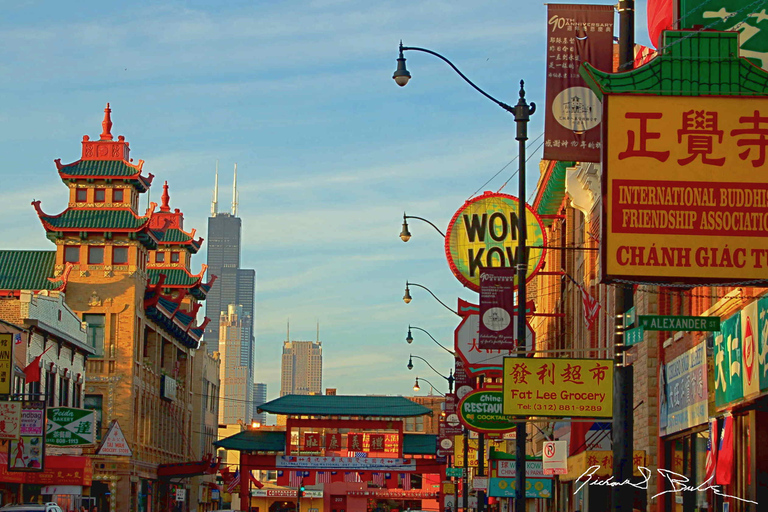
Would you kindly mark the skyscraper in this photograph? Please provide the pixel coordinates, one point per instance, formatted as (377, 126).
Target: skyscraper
(236, 398)
(235, 285)
(259, 398)
(302, 369)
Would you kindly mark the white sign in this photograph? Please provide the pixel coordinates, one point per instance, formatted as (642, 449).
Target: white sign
(168, 388)
(480, 483)
(181, 494)
(351, 463)
(114, 442)
(476, 359)
(10, 420)
(533, 468)
(555, 457)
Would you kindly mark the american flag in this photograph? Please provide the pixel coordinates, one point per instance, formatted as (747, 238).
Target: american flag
(323, 477)
(711, 450)
(378, 479)
(17, 338)
(359, 455)
(234, 483)
(591, 307)
(406, 478)
(295, 478)
(352, 476)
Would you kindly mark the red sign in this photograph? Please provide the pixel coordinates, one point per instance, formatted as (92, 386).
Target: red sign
(59, 470)
(355, 442)
(333, 442)
(312, 441)
(377, 442)
(575, 34)
(498, 311)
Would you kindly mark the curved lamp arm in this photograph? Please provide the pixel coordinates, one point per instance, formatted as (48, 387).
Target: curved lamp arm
(410, 366)
(503, 105)
(416, 386)
(409, 339)
(407, 296)
(405, 235)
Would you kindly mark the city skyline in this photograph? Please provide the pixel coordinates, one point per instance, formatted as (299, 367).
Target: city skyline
(330, 151)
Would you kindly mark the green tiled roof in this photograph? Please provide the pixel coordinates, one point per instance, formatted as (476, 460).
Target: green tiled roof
(173, 277)
(260, 441)
(693, 64)
(553, 191)
(103, 168)
(95, 219)
(175, 235)
(27, 270)
(254, 440)
(345, 405)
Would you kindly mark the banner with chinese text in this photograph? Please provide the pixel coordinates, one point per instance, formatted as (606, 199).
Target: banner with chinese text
(558, 387)
(575, 34)
(498, 311)
(686, 389)
(683, 200)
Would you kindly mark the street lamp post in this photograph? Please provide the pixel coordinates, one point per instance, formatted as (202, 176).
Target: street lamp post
(405, 235)
(407, 296)
(449, 378)
(409, 339)
(522, 112)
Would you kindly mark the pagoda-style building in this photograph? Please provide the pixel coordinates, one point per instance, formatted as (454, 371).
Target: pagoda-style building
(127, 273)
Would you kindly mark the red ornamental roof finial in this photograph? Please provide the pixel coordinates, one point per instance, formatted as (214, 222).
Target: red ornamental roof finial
(106, 125)
(165, 197)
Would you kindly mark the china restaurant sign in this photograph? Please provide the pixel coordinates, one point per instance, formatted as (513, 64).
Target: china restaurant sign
(484, 233)
(684, 195)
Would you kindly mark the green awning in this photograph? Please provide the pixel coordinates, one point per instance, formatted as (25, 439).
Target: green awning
(344, 405)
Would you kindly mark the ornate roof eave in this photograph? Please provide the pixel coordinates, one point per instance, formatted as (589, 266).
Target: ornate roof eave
(63, 278)
(142, 183)
(685, 67)
(551, 190)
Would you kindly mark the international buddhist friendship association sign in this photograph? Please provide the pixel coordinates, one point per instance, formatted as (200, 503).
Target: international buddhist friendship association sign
(558, 387)
(483, 233)
(684, 198)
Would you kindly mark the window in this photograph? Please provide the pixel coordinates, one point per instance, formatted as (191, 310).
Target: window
(50, 388)
(174, 257)
(96, 255)
(95, 403)
(34, 389)
(99, 195)
(119, 255)
(63, 391)
(117, 195)
(72, 254)
(81, 195)
(76, 395)
(95, 332)
(159, 257)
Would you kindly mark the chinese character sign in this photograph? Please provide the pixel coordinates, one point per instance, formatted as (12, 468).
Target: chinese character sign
(498, 311)
(558, 387)
(575, 34)
(10, 420)
(6, 359)
(686, 389)
(312, 441)
(683, 196)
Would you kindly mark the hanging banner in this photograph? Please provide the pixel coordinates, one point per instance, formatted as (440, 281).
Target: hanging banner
(483, 234)
(575, 34)
(6, 363)
(10, 420)
(498, 311)
(683, 201)
(686, 389)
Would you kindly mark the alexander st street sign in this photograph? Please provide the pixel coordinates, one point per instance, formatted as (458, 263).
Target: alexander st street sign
(678, 323)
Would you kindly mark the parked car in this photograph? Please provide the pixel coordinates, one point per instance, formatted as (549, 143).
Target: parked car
(31, 507)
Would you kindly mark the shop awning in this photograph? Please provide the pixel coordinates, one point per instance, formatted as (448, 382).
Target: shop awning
(58, 470)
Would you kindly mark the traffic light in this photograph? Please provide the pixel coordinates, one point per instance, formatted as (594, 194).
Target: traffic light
(301, 490)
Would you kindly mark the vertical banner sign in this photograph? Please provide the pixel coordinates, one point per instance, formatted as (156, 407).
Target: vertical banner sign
(762, 329)
(686, 390)
(575, 34)
(6, 362)
(483, 234)
(731, 15)
(27, 453)
(10, 420)
(498, 314)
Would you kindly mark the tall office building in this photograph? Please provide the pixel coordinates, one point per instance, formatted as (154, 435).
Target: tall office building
(236, 398)
(302, 369)
(259, 398)
(235, 285)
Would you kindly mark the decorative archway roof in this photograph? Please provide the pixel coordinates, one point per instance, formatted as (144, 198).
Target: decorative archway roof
(345, 405)
(171, 223)
(181, 278)
(166, 312)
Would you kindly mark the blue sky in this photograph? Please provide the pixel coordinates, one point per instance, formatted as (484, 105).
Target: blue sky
(330, 151)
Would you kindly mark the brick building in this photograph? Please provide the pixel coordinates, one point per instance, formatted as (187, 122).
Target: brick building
(127, 275)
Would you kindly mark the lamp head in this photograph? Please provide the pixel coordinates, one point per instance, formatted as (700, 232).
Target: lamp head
(405, 235)
(409, 338)
(410, 363)
(407, 297)
(401, 75)
(416, 386)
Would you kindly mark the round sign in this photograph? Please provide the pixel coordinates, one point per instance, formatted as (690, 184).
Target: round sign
(577, 109)
(462, 391)
(496, 319)
(446, 443)
(483, 233)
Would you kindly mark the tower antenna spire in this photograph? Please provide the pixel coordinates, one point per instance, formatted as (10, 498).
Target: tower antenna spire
(288, 330)
(234, 194)
(215, 202)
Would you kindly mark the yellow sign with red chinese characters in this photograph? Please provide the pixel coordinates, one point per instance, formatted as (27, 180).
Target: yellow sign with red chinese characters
(685, 198)
(558, 387)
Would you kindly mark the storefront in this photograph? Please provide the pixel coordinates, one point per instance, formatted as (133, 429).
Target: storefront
(62, 480)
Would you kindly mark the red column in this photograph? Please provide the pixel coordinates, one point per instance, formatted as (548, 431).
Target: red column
(245, 480)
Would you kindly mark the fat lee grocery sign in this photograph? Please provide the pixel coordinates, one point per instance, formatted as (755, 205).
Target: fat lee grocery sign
(481, 411)
(682, 198)
(558, 387)
(483, 233)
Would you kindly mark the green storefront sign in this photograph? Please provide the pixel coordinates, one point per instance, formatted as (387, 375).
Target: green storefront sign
(633, 336)
(481, 411)
(68, 426)
(724, 15)
(534, 488)
(678, 323)
(454, 472)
